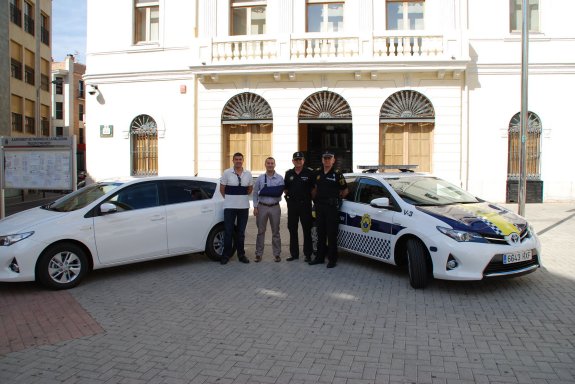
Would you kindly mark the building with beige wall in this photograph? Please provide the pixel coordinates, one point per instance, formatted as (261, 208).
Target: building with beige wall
(68, 104)
(179, 86)
(29, 27)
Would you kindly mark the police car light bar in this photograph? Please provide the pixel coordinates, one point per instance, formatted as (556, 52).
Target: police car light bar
(375, 168)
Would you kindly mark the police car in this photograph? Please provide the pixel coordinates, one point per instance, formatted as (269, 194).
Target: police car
(433, 227)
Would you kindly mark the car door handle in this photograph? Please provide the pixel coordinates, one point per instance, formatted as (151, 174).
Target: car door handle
(157, 218)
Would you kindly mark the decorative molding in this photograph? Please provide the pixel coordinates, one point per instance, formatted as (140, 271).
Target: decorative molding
(405, 105)
(325, 105)
(247, 106)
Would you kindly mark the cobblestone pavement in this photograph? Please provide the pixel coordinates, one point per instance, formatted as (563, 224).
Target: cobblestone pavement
(189, 320)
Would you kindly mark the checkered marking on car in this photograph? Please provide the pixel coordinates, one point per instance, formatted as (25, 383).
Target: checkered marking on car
(366, 244)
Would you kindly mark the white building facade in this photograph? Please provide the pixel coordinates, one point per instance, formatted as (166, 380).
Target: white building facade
(178, 86)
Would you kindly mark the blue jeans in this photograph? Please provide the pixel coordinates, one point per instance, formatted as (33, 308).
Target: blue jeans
(230, 217)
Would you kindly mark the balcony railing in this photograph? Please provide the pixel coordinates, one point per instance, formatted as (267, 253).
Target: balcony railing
(29, 24)
(313, 47)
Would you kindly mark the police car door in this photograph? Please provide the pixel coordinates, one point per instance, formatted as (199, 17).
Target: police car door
(366, 230)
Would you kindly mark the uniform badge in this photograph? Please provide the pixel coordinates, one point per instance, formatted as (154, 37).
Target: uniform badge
(365, 223)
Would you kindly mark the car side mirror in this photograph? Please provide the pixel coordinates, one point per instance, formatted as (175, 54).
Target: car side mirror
(108, 208)
(381, 202)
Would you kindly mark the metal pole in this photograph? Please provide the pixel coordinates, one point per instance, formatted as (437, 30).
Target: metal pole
(524, 108)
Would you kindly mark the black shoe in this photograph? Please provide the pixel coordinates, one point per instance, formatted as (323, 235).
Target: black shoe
(223, 260)
(291, 258)
(331, 264)
(307, 259)
(316, 261)
(244, 260)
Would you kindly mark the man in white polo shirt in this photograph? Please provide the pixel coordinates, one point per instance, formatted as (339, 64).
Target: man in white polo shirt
(236, 184)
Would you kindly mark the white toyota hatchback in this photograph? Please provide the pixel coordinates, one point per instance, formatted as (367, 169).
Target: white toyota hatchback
(111, 223)
(435, 228)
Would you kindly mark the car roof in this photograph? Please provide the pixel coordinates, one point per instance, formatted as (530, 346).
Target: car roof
(134, 179)
(387, 175)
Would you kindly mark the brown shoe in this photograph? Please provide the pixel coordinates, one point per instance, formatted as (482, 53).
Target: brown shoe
(277, 259)
(258, 259)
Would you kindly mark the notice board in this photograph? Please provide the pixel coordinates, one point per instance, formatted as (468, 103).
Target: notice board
(36, 163)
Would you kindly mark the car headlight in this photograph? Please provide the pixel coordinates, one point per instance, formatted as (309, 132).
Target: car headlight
(8, 240)
(462, 236)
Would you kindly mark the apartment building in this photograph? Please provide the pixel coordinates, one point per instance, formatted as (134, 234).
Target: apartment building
(176, 87)
(68, 104)
(29, 26)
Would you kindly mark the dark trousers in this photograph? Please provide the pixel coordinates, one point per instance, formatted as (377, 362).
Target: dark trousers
(327, 221)
(299, 211)
(230, 217)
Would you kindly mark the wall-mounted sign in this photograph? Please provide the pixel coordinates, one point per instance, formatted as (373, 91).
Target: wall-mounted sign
(106, 131)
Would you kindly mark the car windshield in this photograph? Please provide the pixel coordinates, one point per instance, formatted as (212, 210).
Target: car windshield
(81, 197)
(425, 190)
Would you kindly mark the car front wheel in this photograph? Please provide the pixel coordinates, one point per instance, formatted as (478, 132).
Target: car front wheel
(417, 263)
(62, 266)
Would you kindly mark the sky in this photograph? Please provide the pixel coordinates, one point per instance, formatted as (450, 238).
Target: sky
(69, 29)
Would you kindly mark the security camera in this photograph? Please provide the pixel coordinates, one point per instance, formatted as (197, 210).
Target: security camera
(93, 89)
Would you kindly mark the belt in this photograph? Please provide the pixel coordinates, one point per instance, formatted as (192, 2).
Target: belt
(268, 205)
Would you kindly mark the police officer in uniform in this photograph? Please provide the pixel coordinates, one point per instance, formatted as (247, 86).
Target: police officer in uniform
(330, 188)
(299, 182)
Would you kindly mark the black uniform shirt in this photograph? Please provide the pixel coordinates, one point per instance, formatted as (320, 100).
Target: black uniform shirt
(299, 186)
(329, 184)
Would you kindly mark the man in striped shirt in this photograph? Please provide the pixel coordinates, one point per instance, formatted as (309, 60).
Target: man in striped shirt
(236, 184)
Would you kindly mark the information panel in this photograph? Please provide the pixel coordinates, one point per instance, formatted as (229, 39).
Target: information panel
(37, 163)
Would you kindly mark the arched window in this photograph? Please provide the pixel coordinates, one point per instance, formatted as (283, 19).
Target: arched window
(533, 144)
(324, 105)
(407, 119)
(247, 128)
(144, 144)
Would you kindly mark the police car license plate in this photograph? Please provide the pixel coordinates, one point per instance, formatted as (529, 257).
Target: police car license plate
(517, 257)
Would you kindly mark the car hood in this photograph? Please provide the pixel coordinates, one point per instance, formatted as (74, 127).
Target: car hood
(484, 218)
(28, 220)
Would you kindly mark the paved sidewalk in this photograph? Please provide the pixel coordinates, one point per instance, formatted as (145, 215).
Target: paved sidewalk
(189, 320)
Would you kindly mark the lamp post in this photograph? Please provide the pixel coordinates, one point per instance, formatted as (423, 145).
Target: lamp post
(524, 108)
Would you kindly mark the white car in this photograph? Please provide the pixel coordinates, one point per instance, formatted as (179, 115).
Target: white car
(435, 228)
(112, 223)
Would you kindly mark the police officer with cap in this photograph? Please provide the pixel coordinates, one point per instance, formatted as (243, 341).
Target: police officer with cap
(299, 182)
(330, 188)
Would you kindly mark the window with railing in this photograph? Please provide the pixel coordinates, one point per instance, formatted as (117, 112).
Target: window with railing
(16, 69)
(324, 16)
(30, 125)
(533, 147)
(405, 15)
(45, 126)
(81, 89)
(29, 75)
(516, 15)
(17, 125)
(80, 135)
(81, 112)
(59, 113)
(44, 83)
(248, 17)
(45, 29)
(59, 86)
(144, 143)
(29, 18)
(59, 131)
(15, 12)
(147, 21)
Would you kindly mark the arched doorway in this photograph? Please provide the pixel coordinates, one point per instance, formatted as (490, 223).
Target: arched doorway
(325, 123)
(534, 192)
(247, 127)
(144, 146)
(406, 123)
